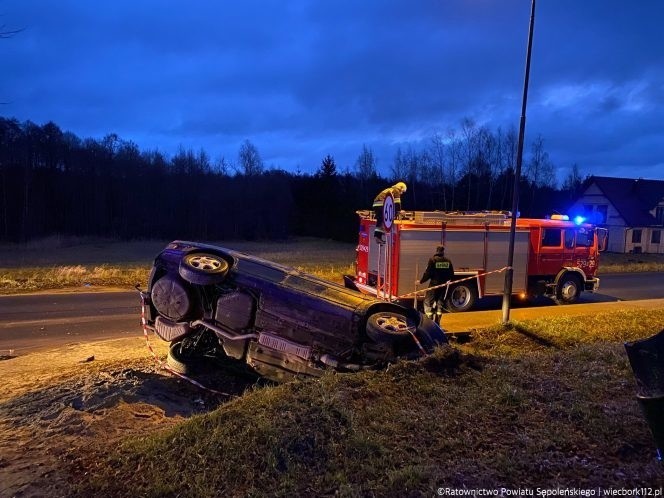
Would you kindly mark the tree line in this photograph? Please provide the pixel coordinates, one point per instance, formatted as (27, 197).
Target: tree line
(53, 182)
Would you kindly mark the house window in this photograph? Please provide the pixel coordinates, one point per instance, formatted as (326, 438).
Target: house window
(655, 237)
(636, 236)
(603, 210)
(659, 215)
(551, 237)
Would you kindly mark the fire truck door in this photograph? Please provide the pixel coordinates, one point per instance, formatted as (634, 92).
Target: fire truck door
(557, 249)
(583, 252)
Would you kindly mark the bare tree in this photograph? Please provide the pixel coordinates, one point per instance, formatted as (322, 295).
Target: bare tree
(398, 165)
(498, 167)
(202, 161)
(249, 159)
(469, 134)
(540, 170)
(365, 165)
(437, 165)
(222, 166)
(413, 163)
(509, 163)
(485, 165)
(454, 162)
(573, 181)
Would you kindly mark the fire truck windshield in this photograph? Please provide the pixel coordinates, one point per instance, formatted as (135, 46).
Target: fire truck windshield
(585, 237)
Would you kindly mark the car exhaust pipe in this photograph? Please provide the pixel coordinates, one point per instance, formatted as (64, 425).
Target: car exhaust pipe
(334, 362)
(223, 333)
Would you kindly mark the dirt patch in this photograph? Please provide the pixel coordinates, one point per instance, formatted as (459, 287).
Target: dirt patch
(57, 404)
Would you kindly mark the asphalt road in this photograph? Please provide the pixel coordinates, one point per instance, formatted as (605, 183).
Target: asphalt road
(40, 321)
(628, 287)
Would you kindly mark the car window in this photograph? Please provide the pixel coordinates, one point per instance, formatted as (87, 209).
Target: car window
(260, 270)
(306, 285)
(569, 238)
(328, 291)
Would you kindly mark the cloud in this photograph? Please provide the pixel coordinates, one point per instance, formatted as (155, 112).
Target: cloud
(304, 79)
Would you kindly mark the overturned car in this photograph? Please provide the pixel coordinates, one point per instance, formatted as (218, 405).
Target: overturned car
(209, 301)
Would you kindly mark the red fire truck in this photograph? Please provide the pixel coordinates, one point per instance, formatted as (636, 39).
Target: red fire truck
(553, 257)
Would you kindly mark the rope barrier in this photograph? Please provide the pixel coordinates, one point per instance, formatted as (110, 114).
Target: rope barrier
(448, 283)
(419, 344)
(162, 365)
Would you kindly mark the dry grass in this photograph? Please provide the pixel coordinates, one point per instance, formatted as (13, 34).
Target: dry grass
(551, 406)
(61, 263)
(18, 280)
(70, 262)
(614, 262)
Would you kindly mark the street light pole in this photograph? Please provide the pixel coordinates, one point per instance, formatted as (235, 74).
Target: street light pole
(509, 275)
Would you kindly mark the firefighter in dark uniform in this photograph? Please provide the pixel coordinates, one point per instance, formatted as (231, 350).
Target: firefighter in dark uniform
(396, 191)
(439, 271)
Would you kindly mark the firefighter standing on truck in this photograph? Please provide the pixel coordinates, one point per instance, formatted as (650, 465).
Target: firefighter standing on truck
(439, 271)
(395, 191)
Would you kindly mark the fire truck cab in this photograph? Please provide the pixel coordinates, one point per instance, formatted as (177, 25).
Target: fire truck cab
(553, 257)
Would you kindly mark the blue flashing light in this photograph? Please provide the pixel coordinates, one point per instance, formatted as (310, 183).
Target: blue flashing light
(579, 219)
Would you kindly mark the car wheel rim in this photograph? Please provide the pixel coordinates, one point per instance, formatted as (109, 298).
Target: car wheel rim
(392, 324)
(205, 263)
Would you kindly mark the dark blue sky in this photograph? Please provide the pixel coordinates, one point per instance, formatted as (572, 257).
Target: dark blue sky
(302, 79)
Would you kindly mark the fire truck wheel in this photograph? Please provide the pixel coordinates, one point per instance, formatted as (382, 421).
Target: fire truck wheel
(461, 297)
(203, 269)
(569, 289)
(388, 327)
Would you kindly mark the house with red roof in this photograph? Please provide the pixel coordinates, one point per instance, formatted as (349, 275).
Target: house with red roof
(631, 209)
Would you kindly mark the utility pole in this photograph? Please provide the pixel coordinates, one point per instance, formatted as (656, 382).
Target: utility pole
(509, 275)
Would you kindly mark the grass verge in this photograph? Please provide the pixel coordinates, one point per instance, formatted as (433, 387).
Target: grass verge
(81, 264)
(20, 280)
(542, 404)
(618, 263)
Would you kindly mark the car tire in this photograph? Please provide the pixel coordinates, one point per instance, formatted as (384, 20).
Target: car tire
(172, 298)
(201, 268)
(568, 289)
(461, 297)
(179, 362)
(389, 327)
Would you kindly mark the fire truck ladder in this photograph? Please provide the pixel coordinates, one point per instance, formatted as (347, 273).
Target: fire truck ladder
(448, 217)
(384, 285)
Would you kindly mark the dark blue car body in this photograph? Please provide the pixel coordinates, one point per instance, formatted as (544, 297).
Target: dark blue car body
(282, 322)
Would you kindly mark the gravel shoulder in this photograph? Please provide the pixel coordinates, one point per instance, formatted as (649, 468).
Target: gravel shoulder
(59, 404)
